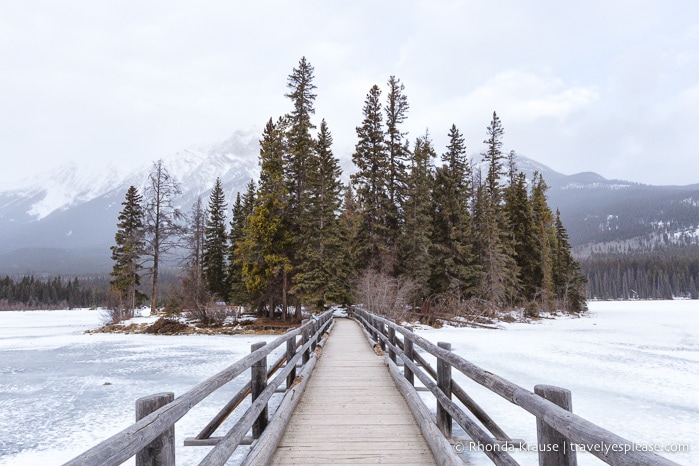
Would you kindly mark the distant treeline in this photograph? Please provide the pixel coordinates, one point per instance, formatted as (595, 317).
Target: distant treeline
(52, 293)
(664, 273)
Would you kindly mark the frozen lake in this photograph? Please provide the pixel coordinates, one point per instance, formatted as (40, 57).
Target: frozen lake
(633, 368)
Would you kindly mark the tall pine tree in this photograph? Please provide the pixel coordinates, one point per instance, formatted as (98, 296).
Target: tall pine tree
(215, 243)
(398, 159)
(455, 271)
(416, 243)
(127, 251)
(318, 278)
(371, 187)
(266, 249)
(499, 283)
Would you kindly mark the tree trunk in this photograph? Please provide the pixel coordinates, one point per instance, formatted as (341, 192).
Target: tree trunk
(284, 304)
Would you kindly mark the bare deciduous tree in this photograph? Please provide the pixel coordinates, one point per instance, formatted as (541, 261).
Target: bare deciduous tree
(383, 294)
(162, 221)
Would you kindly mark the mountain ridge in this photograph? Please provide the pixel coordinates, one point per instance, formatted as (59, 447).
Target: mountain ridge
(71, 213)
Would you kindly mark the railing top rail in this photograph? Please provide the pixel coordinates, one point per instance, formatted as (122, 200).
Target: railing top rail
(125, 444)
(575, 428)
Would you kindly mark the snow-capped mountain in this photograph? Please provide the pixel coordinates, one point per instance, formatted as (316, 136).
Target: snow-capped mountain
(64, 221)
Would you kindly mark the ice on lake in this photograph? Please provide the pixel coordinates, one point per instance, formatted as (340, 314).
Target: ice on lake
(632, 367)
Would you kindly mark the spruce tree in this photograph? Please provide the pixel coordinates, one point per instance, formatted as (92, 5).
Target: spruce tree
(266, 249)
(317, 280)
(127, 251)
(300, 164)
(545, 237)
(568, 279)
(416, 243)
(398, 154)
(242, 210)
(236, 288)
(215, 244)
(371, 187)
(455, 270)
(499, 283)
(525, 240)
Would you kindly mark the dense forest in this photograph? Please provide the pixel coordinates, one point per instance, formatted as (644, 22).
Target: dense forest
(52, 293)
(411, 231)
(406, 233)
(662, 273)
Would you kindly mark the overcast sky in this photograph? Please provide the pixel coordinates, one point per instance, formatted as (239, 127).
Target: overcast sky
(605, 86)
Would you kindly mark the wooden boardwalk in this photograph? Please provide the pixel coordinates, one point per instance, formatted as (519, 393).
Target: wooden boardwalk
(351, 412)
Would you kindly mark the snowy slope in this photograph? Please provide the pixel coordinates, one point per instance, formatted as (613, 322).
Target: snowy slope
(71, 212)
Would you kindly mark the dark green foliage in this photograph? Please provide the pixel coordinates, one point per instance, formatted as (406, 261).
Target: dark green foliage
(455, 271)
(371, 188)
(128, 250)
(318, 278)
(437, 237)
(664, 273)
(215, 244)
(568, 281)
(52, 293)
(242, 209)
(265, 251)
(416, 242)
(526, 234)
(499, 283)
(398, 158)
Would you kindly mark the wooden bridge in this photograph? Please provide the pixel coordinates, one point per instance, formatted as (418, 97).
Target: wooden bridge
(347, 401)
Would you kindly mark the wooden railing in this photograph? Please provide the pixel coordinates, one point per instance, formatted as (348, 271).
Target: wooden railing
(151, 439)
(558, 429)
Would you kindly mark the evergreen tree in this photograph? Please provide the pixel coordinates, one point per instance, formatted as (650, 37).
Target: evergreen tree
(350, 223)
(396, 109)
(543, 230)
(242, 209)
(567, 278)
(416, 259)
(499, 283)
(371, 188)
(265, 251)
(300, 164)
(127, 251)
(317, 280)
(215, 244)
(455, 270)
(525, 240)
(162, 229)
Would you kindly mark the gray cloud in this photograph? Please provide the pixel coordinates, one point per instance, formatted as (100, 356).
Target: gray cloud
(609, 87)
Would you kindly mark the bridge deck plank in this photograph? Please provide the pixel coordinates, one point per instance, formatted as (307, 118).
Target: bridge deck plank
(351, 412)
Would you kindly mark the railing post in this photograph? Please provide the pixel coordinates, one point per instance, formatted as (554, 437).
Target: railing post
(258, 382)
(161, 451)
(290, 352)
(392, 340)
(408, 354)
(306, 354)
(554, 449)
(382, 331)
(444, 383)
(314, 330)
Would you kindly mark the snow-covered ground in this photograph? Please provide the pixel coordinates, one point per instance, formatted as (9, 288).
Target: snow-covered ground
(63, 391)
(633, 368)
